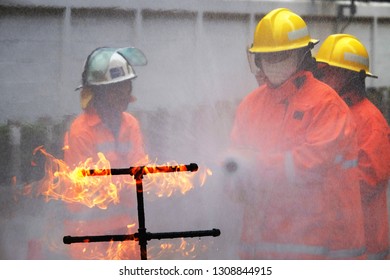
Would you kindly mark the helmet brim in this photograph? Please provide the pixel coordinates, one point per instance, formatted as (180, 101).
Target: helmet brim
(310, 44)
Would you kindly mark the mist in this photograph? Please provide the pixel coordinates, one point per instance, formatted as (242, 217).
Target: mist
(186, 100)
(32, 228)
(187, 94)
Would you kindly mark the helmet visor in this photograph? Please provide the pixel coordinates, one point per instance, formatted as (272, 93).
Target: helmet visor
(105, 65)
(133, 55)
(254, 65)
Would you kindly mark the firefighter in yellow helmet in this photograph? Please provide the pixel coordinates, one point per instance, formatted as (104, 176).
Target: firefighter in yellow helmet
(279, 50)
(105, 127)
(298, 136)
(344, 64)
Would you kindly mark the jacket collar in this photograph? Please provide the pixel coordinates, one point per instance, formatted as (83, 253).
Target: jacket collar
(351, 98)
(92, 117)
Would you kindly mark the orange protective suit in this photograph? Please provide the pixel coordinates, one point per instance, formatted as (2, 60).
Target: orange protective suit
(304, 200)
(87, 136)
(374, 173)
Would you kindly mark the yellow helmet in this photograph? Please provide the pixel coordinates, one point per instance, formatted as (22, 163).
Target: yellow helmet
(281, 30)
(344, 51)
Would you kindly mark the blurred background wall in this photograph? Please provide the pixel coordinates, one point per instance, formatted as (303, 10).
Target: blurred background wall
(196, 48)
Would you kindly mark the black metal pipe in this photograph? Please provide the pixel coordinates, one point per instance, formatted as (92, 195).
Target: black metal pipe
(141, 218)
(136, 236)
(142, 236)
(183, 234)
(102, 238)
(141, 170)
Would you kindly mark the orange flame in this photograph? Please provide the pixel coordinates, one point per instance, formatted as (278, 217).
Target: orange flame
(60, 182)
(177, 249)
(76, 186)
(167, 184)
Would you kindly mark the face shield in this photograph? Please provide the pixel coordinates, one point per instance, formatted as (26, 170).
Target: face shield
(254, 65)
(255, 59)
(276, 67)
(133, 56)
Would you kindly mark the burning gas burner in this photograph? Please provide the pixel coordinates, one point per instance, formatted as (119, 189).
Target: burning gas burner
(142, 235)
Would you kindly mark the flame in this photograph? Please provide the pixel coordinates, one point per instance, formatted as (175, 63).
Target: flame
(166, 184)
(78, 186)
(122, 251)
(177, 249)
(106, 251)
(60, 182)
(72, 186)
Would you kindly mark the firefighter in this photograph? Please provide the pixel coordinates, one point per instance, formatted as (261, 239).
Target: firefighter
(105, 127)
(344, 64)
(297, 138)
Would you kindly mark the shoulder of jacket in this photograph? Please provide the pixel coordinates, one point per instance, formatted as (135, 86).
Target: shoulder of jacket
(129, 118)
(253, 95)
(79, 120)
(367, 111)
(84, 121)
(326, 93)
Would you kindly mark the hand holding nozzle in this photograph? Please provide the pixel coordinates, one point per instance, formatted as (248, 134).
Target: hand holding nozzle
(240, 167)
(238, 161)
(230, 165)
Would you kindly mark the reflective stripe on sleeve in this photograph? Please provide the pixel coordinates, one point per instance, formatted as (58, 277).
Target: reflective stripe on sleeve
(347, 253)
(284, 248)
(378, 256)
(346, 164)
(350, 163)
(289, 166)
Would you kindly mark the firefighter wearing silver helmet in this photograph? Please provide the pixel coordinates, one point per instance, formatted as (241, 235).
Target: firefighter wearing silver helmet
(105, 127)
(105, 66)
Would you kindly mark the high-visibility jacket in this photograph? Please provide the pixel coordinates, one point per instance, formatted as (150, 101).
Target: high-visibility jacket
(374, 173)
(88, 136)
(304, 202)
